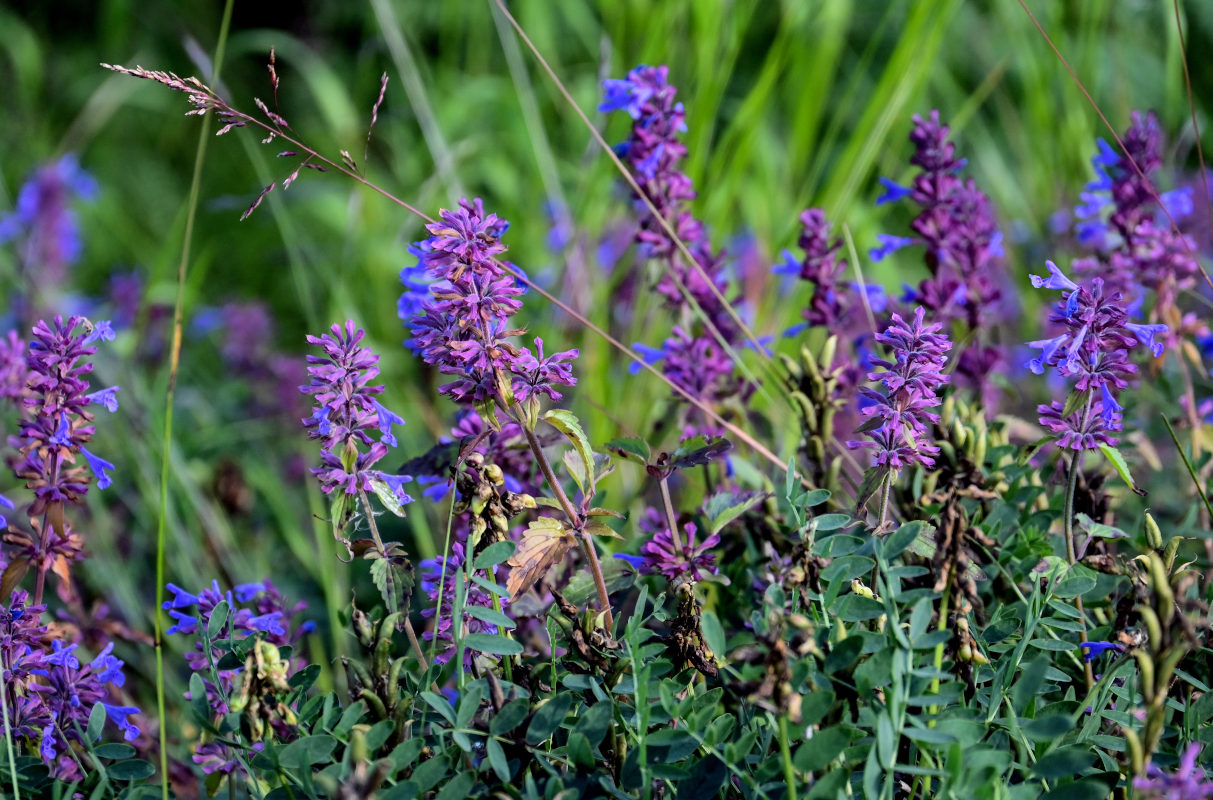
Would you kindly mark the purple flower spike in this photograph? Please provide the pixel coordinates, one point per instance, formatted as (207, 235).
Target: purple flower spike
(910, 381)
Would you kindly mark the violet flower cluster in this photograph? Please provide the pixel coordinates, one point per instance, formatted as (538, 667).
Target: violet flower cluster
(1187, 782)
(1093, 350)
(899, 415)
(653, 152)
(55, 427)
(44, 222)
(254, 609)
(963, 247)
(50, 693)
(353, 426)
(1136, 247)
(678, 557)
(463, 327)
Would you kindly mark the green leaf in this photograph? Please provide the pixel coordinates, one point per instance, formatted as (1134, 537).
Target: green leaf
(713, 633)
(134, 770)
(873, 478)
(1064, 762)
(198, 704)
(576, 467)
(469, 704)
(96, 722)
(568, 424)
(547, 718)
(114, 750)
(509, 717)
(1085, 789)
(490, 615)
(494, 554)
(595, 721)
(817, 753)
(724, 507)
(492, 645)
(497, 760)
(699, 451)
(488, 585)
(458, 788)
(440, 704)
(306, 751)
(900, 539)
(1048, 727)
(1121, 466)
(629, 447)
(831, 522)
(218, 620)
(1098, 529)
(393, 577)
(387, 497)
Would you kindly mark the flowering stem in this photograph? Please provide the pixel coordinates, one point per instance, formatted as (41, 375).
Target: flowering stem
(408, 623)
(587, 543)
(8, 733)
(785, 752)
(885, 490)
(669, 512)
(1068, 521)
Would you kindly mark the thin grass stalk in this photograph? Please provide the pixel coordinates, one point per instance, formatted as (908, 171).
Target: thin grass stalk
(8, 733)
(169, 392)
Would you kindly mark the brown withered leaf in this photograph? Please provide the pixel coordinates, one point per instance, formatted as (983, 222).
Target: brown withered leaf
(544, 543)
(14, 573)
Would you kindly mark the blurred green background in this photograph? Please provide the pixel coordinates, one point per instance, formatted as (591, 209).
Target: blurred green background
(789, 104)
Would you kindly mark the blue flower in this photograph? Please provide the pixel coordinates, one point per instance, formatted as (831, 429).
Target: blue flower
(246, 592)
(889, 244)
(396, 484)
(63, 434)
(1093, 650)
(181, 598)
(1056, 279)
(789, 266)
(1048, 348)
(893, 192)
(99, 466)
(386, 420)
(102, 330)
(268, 623)
(185, 623)
(1177, 202)
(1111, 409)
(636, 562)
(63, 656)
(621, 95)
(108, 667)
(878, 301)
(105, 397)
(118, 715)
(4, 501)
(46, 745)
(650, 356)
(1146, 333)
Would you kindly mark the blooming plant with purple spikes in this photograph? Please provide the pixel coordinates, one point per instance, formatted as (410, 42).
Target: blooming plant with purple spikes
(1093, 351)
(962, 247)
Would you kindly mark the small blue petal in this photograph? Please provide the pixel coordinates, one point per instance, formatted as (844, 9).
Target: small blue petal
(795, 330)
(1110, 409)
(102, 330)
(1056, 279)
(386, 420)
(1146, 333)
(888, 244)
(246, 592)
(789, 266)
(893, 192)
(105, 397)
(650, 356)
(994, 248)
(636, 562)
(99, 466)
(63, 434)
(1177, 202)
(1093, 650)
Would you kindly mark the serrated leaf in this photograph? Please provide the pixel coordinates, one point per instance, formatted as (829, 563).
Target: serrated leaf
(544, 543)
(628, 447)
(393, 578)
(576, 466)
(698, 451)
(387, 497)
(724, 507)
(1121, 466)
(570, 426)
(596, 527)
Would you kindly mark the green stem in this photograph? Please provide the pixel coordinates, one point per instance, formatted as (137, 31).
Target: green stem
(785, 751)
(408, 623)
(1071, 556)
(587, 543)
(671, 520)
(174, 364)
(8, 733)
